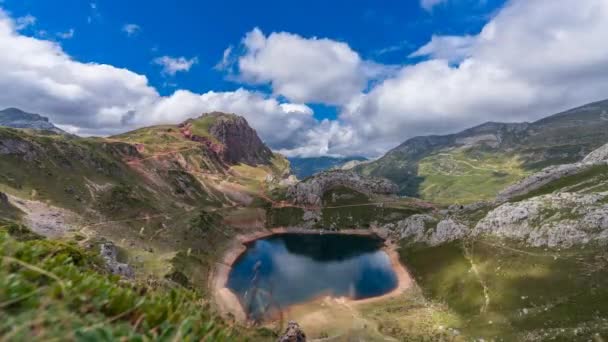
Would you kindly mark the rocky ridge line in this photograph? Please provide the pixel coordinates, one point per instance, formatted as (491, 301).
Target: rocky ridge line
(310, 191)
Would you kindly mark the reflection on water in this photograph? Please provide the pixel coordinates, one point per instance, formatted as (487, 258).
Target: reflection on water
(293, 268)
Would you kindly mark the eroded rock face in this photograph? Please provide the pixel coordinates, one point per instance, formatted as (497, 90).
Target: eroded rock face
(17, 147)
(293, 333)
(311, 190)
(242, 142)
(109, 253)
(554, 220)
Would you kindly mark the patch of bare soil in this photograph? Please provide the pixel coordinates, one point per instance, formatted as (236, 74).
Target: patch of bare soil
(46, 219)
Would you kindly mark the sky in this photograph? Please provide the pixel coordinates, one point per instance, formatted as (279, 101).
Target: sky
(314, 78)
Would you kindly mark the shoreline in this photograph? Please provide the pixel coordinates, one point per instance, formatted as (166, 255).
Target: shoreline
(228, 303)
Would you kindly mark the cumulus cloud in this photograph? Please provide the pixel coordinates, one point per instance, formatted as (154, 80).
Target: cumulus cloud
(173, 65)
(131, 29)
(304, 69)
(99, 99)
(533, 59)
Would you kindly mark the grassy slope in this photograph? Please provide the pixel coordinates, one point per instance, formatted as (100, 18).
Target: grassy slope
(459, 176)
(594, 179)
(532, 293)
(345, 208)
(55, 290)
(420, 169)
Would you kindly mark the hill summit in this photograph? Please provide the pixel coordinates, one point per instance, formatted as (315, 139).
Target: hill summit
(16, 118)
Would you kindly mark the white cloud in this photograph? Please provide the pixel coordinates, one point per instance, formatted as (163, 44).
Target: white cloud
(173, 65)
(24, 22)
(131, 29)
(429, 4)
(69, 34)
(533, 59)
(89, 98)
(451, 48)
(304, 69)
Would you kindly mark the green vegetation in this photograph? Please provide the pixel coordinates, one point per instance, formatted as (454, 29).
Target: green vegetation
(478, 162)
(55, 290)
(515, 292)
(344, 208)
(284, 217)
(461, 176)
(594, 179)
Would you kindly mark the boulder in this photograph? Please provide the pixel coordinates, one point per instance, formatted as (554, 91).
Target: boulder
(109, 253)
(293, 333)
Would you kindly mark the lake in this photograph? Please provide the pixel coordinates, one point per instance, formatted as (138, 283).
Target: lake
(287, 269)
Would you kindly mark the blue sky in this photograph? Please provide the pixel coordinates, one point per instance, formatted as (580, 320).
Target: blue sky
(204, 29)
(312, 77)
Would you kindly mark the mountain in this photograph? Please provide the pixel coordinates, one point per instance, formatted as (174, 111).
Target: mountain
(477, 163)
(16, 118)
(165, 176)
(306, 167)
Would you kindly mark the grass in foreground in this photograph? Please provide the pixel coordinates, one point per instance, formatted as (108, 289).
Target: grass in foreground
(55, 290)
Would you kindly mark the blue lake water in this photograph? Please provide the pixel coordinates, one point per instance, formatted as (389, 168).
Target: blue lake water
(287, 269)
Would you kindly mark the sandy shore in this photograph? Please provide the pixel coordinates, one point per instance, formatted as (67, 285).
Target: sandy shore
(228, 303)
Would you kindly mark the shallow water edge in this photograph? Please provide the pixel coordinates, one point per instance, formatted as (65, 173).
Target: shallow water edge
(228, 303)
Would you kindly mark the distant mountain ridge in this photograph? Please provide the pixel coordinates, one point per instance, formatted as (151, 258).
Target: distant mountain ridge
(16, 118)
(480, 161)
(306, 167)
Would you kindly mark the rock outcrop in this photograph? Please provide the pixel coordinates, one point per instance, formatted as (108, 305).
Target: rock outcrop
(109, 253)
(230, 136)
(599, 155)
(553, 173)
(293, 333)
(539, 179)
(311, 190)
(553, 220)
(427, 229)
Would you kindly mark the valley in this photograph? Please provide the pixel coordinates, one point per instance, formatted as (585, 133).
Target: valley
(501, 236)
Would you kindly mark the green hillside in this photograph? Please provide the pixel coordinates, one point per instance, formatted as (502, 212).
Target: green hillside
(476, 163)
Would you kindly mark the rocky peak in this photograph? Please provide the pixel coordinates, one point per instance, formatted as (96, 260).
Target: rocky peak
(230, 136)
(16, 118)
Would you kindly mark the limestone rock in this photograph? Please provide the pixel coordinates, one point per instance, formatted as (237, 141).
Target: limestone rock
(422, 228)
(599, 155)
(109, 253)
(293, 333)
(552, 173)
(311, 190)
(553, 220)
